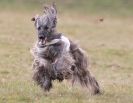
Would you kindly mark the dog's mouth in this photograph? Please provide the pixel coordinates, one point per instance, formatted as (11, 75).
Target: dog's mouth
(41, 46)
(41, 43)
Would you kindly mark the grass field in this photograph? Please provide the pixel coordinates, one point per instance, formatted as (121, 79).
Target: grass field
(108, 45)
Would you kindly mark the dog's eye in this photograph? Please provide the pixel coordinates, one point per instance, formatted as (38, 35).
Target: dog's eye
(39, 28)
(46, 27)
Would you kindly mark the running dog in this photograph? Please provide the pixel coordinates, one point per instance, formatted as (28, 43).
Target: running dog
(56, 57)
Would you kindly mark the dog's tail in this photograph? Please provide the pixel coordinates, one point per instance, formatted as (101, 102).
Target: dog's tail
(81, 73)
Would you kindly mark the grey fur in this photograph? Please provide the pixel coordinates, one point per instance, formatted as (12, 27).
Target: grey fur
(52, 61)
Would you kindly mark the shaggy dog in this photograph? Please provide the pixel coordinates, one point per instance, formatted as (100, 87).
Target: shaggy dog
(56, 57)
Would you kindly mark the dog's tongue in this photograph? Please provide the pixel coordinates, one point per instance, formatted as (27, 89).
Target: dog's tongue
(44, 41)
(41, 42)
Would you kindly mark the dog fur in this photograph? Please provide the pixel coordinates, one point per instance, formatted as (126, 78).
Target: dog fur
(58, 58)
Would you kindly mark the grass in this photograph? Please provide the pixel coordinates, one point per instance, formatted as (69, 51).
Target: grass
(107, 7)
(108, 45)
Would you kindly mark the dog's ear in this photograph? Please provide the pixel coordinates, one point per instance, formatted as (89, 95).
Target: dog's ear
(50, 10)
(35, 17)
(54, 7)
(46, 8)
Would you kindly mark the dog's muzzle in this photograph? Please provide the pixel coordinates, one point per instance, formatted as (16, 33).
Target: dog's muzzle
(42, 42)
(42, 38)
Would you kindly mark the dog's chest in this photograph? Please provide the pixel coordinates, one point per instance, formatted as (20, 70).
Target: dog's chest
(54, 48)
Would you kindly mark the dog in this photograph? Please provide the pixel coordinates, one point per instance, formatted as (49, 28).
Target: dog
(56, 57)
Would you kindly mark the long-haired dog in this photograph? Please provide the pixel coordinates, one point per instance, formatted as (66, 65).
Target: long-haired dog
(56, 57)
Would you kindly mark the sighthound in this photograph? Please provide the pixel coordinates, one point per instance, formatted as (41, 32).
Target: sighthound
(56, 57)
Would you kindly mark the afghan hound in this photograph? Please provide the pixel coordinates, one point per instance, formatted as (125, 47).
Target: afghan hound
(56, 57)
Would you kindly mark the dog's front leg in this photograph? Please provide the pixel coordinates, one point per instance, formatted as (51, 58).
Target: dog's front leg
(41, 75)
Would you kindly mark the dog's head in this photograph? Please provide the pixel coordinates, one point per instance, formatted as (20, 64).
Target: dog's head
(45, 24)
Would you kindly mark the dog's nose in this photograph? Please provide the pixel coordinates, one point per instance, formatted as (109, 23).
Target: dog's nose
(41, 37)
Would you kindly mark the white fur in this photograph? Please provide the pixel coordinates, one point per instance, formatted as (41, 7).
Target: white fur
(66, 43)
(52, 42)
(65, 40)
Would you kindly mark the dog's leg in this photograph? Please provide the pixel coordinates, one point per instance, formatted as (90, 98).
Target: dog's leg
(86, 80)
(81, 73)
(90, 82)
(41, 75)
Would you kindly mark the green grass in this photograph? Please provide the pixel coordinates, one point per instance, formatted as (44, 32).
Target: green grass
(108, 45)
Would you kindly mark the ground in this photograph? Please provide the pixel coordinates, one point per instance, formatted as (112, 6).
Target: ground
(108, 44)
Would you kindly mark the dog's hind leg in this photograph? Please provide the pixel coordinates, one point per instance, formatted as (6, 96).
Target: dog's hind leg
(81, 73)
(86, 80)
(90, 82)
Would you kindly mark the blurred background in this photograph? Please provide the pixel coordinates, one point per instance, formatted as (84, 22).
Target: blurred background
(119, 7)
(103, 28)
